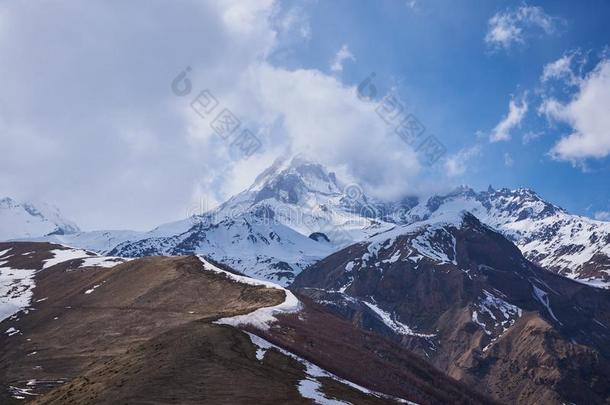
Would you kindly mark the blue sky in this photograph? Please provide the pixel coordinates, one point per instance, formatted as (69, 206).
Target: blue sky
(518, 93)
(436, 54)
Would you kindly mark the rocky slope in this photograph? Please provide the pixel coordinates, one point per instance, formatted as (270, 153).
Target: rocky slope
(183, 330)
(465, 298)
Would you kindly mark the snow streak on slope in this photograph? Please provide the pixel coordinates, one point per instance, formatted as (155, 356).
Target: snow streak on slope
(262, 318)
(310, 386)
(393, 324)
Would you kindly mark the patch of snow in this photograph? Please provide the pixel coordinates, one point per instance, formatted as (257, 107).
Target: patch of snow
(490, 302)
(11, 331)
(345, 286)
(475, 319)
(261, 344)
(89, 291)
(393, 324)
(592, 282)
(310, 389)
(64, 255)
(395, 257)
(373, 250)
(103, 261)
(543, 297)
(20, 393)
(88, 259)
(16, 287)
(430, 244)
(499, 313)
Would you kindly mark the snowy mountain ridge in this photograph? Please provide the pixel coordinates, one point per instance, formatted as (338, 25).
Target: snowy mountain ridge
(297, 212)
(571, 245)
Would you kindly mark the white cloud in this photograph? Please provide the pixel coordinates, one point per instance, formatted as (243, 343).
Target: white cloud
(568, 69)
(587, 115)
(516, 113)
(457, 164)
(513, 26)
(341, 56)
(90, 102)
(530, 136)
(561, 68)
(602, 215)
(290, 23)
(508, 160)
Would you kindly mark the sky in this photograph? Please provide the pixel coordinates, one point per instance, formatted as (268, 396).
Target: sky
(107, 108)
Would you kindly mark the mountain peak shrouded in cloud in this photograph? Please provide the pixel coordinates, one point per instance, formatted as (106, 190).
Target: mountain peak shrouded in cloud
(150, 143)
(286, 175)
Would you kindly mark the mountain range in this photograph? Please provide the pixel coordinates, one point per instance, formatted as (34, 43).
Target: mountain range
(297, 212)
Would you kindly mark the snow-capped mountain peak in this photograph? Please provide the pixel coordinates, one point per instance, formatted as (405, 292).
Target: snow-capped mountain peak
(27, 220)
(308, 198)
(287, 179)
